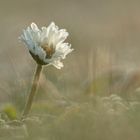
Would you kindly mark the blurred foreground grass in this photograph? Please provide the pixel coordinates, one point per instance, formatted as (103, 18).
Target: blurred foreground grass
(98, 118)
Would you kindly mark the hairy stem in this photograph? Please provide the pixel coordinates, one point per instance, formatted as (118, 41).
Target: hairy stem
(33, 90)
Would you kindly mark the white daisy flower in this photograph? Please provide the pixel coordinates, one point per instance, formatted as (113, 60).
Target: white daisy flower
(46, 45)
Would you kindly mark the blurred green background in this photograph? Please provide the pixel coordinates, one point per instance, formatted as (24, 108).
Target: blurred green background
(105, 35)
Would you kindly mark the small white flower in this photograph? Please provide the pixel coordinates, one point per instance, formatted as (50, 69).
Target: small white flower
(46, 45)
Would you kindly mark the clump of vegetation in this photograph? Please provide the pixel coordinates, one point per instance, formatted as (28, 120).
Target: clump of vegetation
(101, 118)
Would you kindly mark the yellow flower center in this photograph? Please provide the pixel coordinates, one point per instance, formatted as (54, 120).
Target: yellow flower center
(49, 50)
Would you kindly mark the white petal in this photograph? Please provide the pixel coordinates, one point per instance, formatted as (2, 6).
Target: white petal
(58, 64)
(44, 37)
(40, 52)
(59, 37)
(62, 50)
(34, 27)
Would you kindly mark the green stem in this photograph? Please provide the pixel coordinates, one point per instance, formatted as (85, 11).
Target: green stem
(33, 90)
